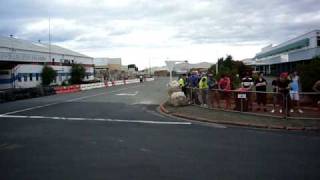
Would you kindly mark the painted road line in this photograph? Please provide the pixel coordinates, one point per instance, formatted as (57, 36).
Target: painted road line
(94, 95)
(97, 119)
(28, 109)
(70, 100)
(128, 94)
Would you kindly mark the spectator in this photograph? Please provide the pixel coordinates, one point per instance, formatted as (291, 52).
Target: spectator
(182, 84)
(224, 86)
(193, 84)
(283, 88)
(261, 88)
(275, 93)
(316, 88)
(294, 91)
(247, 84)
(203, 90)
(188, 88)
(212, 93)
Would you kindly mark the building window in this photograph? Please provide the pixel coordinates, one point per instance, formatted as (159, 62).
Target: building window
(37, 76)
(60, 77)
(19, 77)
(25, 77)
(30, 76)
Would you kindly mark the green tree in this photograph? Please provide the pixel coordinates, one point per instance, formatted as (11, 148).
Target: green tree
(77, 73)
(231, 68)
(48, 75)
(309, 74)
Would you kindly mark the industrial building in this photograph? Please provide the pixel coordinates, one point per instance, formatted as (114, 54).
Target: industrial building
(108, 68)
(21, 62)
(284, 57)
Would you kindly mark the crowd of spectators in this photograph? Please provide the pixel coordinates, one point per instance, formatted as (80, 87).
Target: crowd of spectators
(203, 89)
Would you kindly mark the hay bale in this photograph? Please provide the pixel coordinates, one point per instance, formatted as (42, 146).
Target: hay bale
(178, 99)
(173, 87)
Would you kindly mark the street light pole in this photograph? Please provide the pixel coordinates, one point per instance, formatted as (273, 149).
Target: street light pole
(170, 65)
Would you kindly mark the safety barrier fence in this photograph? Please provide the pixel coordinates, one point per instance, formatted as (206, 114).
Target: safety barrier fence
(300, 105)
(67, 89)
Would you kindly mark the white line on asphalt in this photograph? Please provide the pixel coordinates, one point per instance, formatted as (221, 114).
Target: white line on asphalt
(128, 94)
(70, 100)
(97, 119)
(28, 109)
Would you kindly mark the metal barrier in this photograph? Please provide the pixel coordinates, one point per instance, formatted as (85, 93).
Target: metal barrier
(275, 104)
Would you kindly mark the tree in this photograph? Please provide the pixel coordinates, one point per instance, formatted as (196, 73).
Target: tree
(77, 73)
(48, 75)
(231, 68)
(309, 74)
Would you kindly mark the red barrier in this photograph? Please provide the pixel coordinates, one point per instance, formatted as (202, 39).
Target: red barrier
(67, 89)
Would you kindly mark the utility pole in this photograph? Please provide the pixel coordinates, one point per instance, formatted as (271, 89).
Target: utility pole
(49, 39)
(149, 68)
(217, 64)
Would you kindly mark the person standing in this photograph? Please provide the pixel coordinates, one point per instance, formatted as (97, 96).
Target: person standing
(193, 84)
(188, 89)
(224, 86)
(203, 90)
(283, 88)
(182, 84)
(316, 88)
(247, 84)
(274, 94)
(212, 85)
(294, 91)
(261, 88)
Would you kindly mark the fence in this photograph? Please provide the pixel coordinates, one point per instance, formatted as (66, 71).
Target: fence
(300, 105)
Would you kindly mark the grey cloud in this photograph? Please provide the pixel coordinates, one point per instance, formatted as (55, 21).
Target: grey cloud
(249, 21)
(230, 21)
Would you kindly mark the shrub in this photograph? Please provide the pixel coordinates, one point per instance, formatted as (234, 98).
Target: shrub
(77, 73)
(309, 74)
(48, 75)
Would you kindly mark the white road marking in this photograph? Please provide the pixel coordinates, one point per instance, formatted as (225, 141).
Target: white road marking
(128, 94)
(86, 97)
(70, 100)
(31, 108)
(97, 119)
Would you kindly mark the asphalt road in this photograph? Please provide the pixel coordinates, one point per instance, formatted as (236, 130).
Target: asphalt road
(116, 133)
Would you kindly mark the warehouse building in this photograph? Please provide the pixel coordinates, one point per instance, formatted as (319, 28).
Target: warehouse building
(108, 68)
(21, 62)
(284, 57)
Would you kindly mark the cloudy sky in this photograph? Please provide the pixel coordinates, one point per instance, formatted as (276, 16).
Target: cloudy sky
(143, 31)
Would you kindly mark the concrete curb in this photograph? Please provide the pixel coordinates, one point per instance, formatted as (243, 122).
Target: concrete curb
(163, 109)
(253, 125)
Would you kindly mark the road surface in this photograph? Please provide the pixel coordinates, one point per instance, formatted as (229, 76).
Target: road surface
(116, 133)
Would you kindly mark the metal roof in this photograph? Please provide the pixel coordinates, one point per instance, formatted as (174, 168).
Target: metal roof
(19, 44)
(293, 46)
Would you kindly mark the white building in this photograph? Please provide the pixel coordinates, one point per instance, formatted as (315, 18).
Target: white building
(287, 55)
(185, 67)
(108, 68)
(21, 62)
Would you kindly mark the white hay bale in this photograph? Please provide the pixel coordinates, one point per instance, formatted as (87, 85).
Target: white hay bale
(178, 99)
